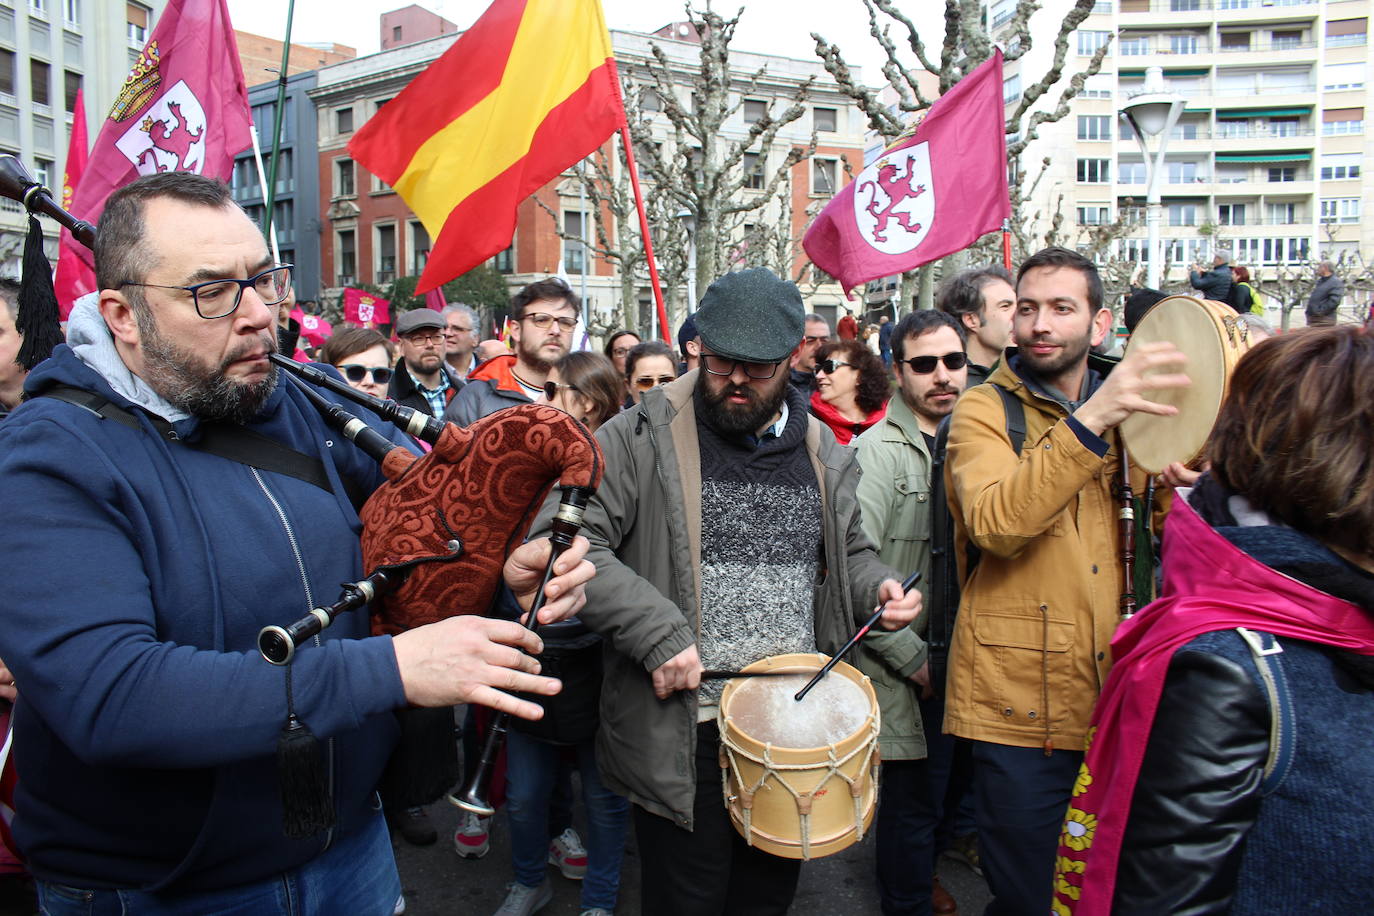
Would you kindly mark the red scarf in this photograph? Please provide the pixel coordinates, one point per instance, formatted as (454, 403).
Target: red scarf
(844, 428)
(1210, 584)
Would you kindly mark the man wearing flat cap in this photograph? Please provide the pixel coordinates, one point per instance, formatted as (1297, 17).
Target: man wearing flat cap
(726, 530)
(422, 379)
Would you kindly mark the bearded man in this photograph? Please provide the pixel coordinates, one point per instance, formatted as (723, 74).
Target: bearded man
(1031, 644)
(726, 530)
(545, 315)
(165, 522)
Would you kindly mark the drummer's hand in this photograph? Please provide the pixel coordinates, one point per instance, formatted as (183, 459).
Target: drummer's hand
(921, 675)
(471, 659)
(901, 609)
(1178, 475)
(1122, 393)
(681, 672)
(566, 593)
(7, 689)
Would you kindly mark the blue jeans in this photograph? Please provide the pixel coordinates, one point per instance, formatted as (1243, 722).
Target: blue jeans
(357, 875)
(531, 767)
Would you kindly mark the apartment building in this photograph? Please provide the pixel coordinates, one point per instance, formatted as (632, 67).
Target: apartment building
(369, 235)
(50, 49)
(1269, 158)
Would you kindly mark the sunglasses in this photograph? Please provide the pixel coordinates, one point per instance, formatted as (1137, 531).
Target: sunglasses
(356, 373)
(645, 382)
(551, 389)
(828, 366)
(924, 365)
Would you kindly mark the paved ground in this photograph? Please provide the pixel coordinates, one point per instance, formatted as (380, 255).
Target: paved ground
(438, 883)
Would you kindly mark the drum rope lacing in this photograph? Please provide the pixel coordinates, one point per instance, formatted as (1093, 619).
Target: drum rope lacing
(771, 768)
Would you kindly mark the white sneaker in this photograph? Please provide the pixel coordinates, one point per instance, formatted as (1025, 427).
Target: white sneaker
(400, 906)
(567, 852)
(521, 900)
(472, 839)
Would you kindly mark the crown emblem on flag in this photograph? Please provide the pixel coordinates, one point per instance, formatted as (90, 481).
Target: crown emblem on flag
(140, 85)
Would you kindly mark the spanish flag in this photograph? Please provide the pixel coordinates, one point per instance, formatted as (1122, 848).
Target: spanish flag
(527, 91)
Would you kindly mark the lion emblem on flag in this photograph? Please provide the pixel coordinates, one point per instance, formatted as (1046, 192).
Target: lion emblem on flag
(170, 137)
(894, 200)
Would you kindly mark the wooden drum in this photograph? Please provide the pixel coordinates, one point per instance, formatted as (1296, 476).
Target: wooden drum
(1212, 338)
(800, 778)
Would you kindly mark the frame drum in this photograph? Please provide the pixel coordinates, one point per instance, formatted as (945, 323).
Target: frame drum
(800, 778)
(1212, 338)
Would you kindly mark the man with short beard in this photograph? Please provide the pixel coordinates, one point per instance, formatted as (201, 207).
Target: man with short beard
(545, 316)
(421, 379)
(723, 506)
(1031, 645)
(895, 493)
(175, 497)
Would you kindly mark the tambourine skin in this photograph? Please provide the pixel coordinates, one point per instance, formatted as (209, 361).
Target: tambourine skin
(473, 497)
(1212, 338)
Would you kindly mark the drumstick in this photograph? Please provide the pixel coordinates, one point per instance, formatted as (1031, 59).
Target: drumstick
(853, 640)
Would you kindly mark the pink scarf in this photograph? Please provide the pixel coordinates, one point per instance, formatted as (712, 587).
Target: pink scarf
(1210, 585)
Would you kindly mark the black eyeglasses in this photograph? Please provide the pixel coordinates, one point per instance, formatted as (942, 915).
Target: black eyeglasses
(355, 373)
(924, 365)
(720, 365)
(551, 389)
(543, 320)
(218, 298)
(645, 382)
(828, 366)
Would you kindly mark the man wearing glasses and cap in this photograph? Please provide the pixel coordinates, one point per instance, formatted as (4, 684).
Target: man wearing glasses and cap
(422, 379)
(167, 767)
(725, 530)
(545, 315)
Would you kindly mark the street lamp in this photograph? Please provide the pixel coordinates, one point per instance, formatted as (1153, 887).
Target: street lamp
(1153, 110)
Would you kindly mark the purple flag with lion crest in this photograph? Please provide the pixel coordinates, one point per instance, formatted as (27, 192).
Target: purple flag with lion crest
(933, 192)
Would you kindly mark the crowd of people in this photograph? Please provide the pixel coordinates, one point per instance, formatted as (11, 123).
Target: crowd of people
(766, 486)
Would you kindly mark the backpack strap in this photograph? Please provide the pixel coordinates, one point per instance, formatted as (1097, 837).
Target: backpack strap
(1016, 417)
(1265, 649)
(236, 443)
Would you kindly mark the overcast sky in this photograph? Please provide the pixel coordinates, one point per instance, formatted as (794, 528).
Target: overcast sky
(767, 26)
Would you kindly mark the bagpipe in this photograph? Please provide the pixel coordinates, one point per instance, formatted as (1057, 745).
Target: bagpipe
(437, 532)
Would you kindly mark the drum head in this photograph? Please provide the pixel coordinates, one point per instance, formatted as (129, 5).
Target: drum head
(764, 709)
(1155, 442)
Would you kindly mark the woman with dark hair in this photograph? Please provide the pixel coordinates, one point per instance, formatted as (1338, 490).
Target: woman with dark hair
(649, 365)
(1240, 276)
(585, 385)
(362, 356)
(852, 388)
(1230, 767)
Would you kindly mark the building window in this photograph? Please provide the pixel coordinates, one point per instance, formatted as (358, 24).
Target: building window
(1339, 128)
(1185, 6)
(386, 253)
(419, 247)
(137, 18)
(39, 76)
(1135, 46)
(504, 262)
(1235, 41)
(6, 71)
(1089, 40)
(1283, 127)
(1094, 171)
(395, 33)
(824, 176)
(1094, 216)
(1231, 214)
(1341, 166)
(1183, 44)
(343, 121)
(347, 274)
(1094, 127)
(71, 85)
(753, 171)
(1182, 214)
(1340, 209)
(574, 249)
(1346, 32)
(1097, 86)
(825, 119)
(650, 100)
(1130, 173)
(1281, 214)
(1336, 77)
(1011, 89)
(1287, 40)
(1183, 172)
(754, 110)
(71, 12)
(1283, 173)
(1001, 13)
(42, 172)
(344, 184)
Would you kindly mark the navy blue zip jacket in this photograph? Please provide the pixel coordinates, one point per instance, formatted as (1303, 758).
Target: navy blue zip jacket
(139, 573)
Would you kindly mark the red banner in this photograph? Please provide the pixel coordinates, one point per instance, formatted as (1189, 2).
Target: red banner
(365, 309)
(74, 277)
(929, 195)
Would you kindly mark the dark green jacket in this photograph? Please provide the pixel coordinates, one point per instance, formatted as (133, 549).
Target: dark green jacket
(644, 526)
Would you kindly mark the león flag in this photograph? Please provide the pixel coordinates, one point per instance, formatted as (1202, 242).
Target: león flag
(930, 194)
(530, 89)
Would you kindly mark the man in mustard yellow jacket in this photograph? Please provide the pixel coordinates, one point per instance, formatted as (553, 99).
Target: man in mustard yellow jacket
(1040, 602)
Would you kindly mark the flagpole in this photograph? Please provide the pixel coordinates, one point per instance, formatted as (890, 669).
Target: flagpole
(276, 121)
(663, 325)
(262, 180)
(1006, 244)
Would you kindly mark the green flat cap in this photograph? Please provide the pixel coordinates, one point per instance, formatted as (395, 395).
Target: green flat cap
(751, 315)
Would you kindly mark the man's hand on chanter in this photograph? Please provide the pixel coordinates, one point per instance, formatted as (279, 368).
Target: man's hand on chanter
(472, 659)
